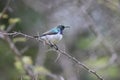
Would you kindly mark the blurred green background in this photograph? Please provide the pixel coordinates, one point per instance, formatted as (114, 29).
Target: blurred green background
(93, 38)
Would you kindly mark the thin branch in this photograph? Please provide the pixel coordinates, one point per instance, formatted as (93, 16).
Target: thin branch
(5, 8)
(59, 51)
(10, 27)
(12, 46)
(17, 53)
(97, 32)
(79, 63)
(24, 50)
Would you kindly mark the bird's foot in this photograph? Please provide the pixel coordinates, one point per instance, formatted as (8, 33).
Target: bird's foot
(54, 46)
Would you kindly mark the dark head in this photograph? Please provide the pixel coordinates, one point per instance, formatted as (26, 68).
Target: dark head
(61, 28)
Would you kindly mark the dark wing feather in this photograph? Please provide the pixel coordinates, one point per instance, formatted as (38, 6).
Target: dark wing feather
(48, 33)
(44, 34)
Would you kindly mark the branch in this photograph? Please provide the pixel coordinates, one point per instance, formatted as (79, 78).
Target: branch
(17, 53)
(59, 51)
(5, 8)
(97, 32)
(79, 63)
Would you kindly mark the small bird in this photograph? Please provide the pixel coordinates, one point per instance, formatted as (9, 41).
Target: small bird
(54, 35)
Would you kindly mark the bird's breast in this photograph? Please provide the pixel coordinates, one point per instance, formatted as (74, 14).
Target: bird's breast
(52, 38)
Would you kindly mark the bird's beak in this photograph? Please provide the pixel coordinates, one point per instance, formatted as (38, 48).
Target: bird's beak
(67, 26)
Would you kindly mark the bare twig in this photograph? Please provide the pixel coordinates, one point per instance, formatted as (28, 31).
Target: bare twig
(6, 37)
(10, 27)
(59, 51)
(12, 46)
(58, 56)
(5, 8)
(17, 53)
(24, 49)
(79, 63)
(98, 33)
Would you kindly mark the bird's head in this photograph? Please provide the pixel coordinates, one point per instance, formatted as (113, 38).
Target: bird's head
(59, 29)
(62, 27)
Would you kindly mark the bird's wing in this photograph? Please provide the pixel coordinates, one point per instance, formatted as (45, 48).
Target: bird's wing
(46, 33)
(50, 32)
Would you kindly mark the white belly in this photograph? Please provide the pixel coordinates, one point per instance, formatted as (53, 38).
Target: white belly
(52, 38)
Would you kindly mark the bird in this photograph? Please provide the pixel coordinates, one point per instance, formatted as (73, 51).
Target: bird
(53, 36)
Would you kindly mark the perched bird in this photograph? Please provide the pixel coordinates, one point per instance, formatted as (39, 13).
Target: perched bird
(54, 35)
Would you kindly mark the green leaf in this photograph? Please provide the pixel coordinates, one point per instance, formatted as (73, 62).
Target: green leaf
(40, 69)
(27, 60)
(14, 20)
(4, 16)
(19, 39)
(2, 27)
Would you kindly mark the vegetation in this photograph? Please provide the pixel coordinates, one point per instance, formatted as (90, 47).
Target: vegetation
(89, 50)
